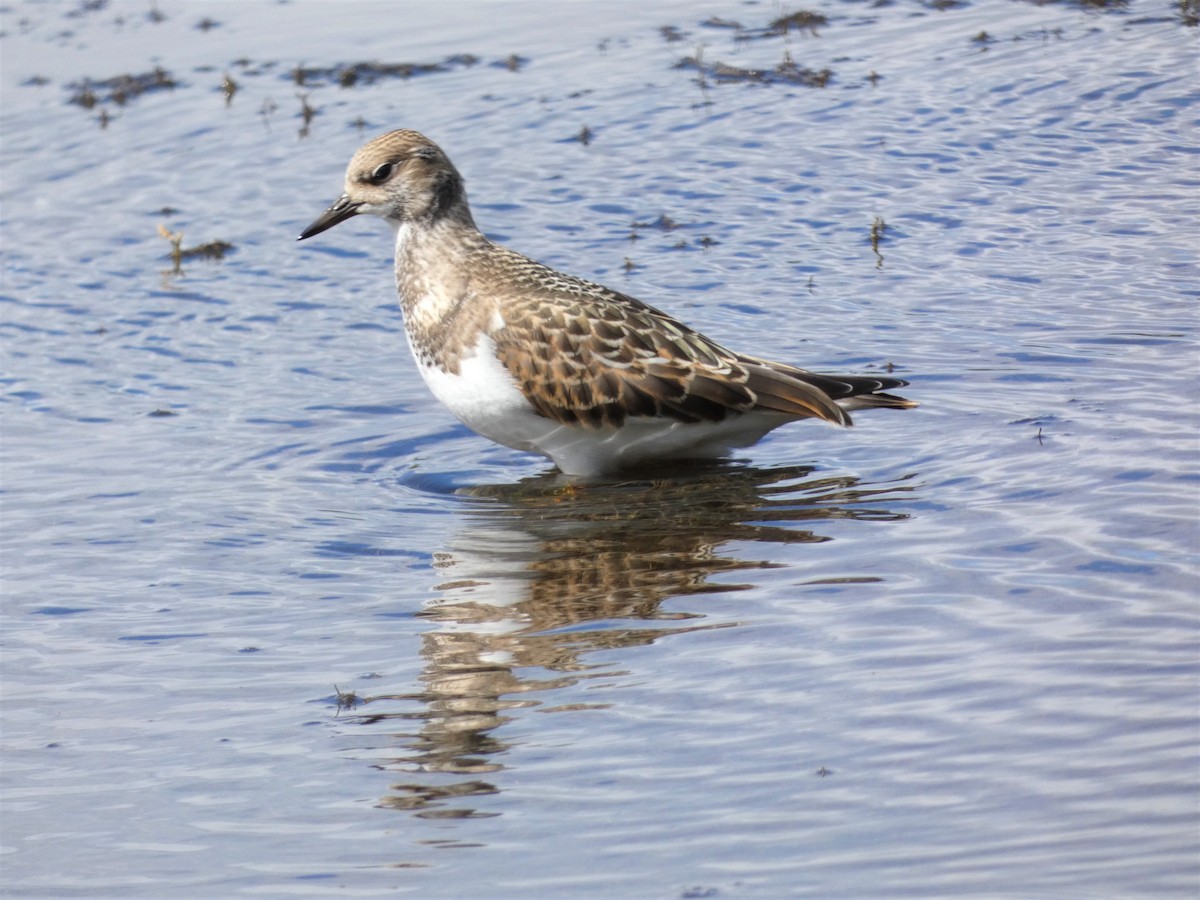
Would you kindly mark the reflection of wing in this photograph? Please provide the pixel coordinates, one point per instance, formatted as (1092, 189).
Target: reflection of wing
(582, 353)
(546, 572)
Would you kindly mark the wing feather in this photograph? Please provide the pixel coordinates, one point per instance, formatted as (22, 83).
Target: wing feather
(584, 354)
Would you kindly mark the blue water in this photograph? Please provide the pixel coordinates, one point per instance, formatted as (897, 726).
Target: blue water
(274, 624)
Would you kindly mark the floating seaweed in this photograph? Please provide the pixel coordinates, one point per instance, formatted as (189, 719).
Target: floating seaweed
(121, 88)
(878, 227)
(210, 250)
(718, 22)
(787, 72)
(801, 21)
(178, 253)
(307, 111)
(1094, 4)
(347, 699)
(662, 223)
(371, 72)
(87, 6)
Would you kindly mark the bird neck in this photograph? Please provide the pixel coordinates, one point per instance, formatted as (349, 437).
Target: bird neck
(434, 260)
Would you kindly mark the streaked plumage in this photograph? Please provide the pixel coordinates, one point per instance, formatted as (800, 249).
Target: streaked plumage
(543, 361)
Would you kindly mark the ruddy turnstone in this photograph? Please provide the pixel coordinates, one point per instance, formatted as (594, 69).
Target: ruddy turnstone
(546, 362)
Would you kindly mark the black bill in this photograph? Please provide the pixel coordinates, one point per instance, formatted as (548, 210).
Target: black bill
(343, 208)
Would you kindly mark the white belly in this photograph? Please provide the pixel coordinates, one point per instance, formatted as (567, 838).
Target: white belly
(484, 396)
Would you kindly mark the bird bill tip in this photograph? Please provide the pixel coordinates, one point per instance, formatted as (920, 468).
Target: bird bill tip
(341, 210)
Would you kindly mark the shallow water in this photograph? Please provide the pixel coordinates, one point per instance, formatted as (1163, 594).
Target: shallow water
(274, 624)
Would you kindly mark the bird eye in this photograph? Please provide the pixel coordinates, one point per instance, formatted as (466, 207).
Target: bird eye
(381, 173)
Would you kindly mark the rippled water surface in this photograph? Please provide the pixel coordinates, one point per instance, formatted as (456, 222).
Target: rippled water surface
(274, 624)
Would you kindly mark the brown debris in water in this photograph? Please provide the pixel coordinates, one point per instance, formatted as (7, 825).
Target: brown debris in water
(347, 699)
(120, 89)
(307, 111)
(1092, 4)
(878, 227)
(178, 253)
(787, 72)
(801, 21)
(662, 223)
(370, 72)
(211, 250)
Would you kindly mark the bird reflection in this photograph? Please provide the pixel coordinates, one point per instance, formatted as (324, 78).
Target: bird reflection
(547, 570)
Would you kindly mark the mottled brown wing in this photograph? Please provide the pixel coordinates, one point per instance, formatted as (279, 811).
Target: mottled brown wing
(585, 354)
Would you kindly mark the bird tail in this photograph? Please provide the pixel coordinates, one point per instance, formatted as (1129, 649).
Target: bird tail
(847, 392)
(877, 401)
